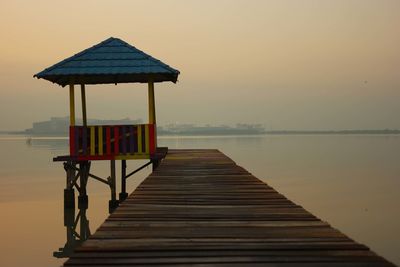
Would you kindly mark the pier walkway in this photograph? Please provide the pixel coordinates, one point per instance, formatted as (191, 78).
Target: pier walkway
(199, 208)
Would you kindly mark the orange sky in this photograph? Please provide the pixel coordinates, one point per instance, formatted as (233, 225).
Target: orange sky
(285, 64)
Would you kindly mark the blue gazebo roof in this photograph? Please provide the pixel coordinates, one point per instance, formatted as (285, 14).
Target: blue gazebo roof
(111, 61)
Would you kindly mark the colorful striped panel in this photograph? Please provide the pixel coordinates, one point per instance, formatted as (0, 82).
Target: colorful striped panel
(120, 141)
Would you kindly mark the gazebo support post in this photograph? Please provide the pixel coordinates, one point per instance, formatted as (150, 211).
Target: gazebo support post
(84, 166)
(69, 192)
(152, 117)
(83, 98)
(123, 195)
(152, 107)
(71, 105)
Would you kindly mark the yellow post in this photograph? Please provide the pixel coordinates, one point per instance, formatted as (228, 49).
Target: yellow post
(152, 107)
(92, 140)
(71, 105)
(100, 140)
(83, 97)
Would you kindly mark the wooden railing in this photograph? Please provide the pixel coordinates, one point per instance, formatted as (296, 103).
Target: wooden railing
(105, 142)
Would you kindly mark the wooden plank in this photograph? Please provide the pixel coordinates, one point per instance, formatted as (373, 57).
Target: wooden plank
(255, 264)
(222, 259)
(160, 244)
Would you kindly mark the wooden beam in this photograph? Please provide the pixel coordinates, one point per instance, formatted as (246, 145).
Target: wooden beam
(71, 105)
(83, 97)
(152, 107)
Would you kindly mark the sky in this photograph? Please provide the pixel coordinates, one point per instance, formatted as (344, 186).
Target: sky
(297, 64)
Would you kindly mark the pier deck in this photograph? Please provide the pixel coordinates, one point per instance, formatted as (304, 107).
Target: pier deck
(201, 209)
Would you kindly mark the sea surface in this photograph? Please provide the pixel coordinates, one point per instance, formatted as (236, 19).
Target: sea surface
(350, 181)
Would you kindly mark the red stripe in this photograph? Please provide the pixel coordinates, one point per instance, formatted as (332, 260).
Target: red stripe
(108, 140)
(116, 140)
(152, 138)
(72, 141)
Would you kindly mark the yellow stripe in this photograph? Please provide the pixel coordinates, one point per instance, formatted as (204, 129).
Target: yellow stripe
(139, 135)
(146, 138)
(92, 141)
(100, 128)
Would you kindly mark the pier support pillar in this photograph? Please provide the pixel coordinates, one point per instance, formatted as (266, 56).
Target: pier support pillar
(69, 219)
(123, 195)
(71, 222)
(113, 203)
(84, 176)
(69, 198)
(155, 163)
(84, 225)
(69, 192)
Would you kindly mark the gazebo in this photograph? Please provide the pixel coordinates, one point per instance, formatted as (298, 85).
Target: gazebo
(112, 61)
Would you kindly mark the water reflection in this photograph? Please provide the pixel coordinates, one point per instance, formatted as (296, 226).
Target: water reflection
(345, 180)
(50, 143)
(74, 236)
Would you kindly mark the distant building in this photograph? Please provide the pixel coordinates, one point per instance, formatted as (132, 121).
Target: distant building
(191, 129)
(58, 126)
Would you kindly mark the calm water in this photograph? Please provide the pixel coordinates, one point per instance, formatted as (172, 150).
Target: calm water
(353, 182)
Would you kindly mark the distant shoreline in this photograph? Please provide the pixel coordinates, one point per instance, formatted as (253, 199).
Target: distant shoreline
(59, 126)
(235, 133)
(333, 132)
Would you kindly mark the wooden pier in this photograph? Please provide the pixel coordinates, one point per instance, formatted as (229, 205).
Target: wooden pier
(199, 208)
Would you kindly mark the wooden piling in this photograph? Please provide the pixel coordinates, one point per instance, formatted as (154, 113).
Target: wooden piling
(113, 203)
(123, 195)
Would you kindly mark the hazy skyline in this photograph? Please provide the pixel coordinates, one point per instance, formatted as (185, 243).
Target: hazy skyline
(285, 64)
